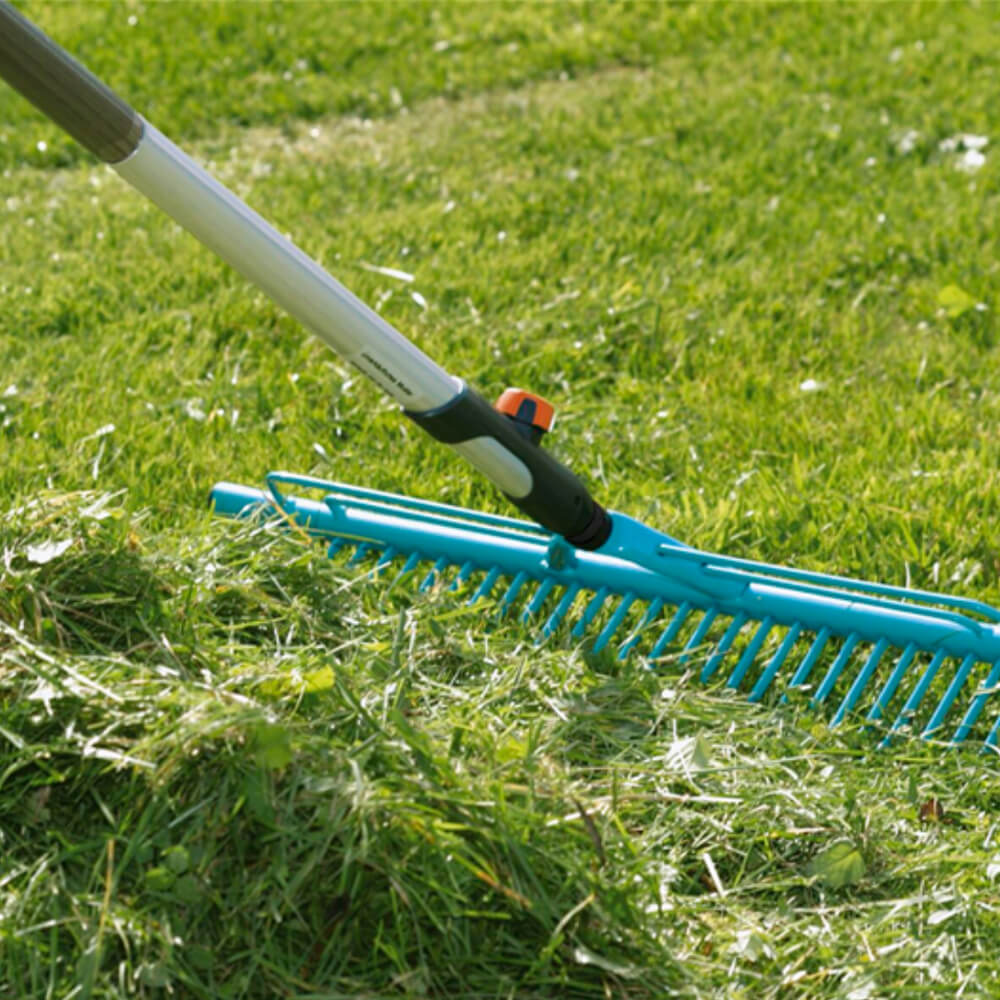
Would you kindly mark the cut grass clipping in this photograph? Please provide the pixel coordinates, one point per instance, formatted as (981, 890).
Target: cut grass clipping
(748, 252)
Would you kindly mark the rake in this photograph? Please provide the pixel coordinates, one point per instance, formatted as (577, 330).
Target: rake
(904, 661)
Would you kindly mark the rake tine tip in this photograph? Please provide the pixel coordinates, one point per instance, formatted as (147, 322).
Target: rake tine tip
(565, 603)
(510, 595)
(698, 636)
(614, 622)
(484, 588)
(988, 687)
(589, 613)
(670, 632)
(725, 643)
(857, 688)
(647, 619)
(750, 653)
(539, 598)
(936, 721)
(771, 670)
(461, 576)
(433, 575)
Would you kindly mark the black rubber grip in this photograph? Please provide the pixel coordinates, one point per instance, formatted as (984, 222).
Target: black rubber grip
(557, 501)
(64, 91)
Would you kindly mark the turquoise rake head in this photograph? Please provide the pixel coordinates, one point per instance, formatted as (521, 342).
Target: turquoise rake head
(906, 661)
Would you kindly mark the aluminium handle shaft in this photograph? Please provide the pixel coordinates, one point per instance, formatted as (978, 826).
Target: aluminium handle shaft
(86, 108)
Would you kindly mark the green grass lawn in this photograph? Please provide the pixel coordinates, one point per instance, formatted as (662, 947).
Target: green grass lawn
(746, 253)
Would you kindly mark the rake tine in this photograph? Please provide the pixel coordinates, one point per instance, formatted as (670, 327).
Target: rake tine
(771, 670)
(647, 619)
(899, 671)
(916, 695)
(411, 564)
(750, 653)
(860, 681)
(565, 603)
(432, 575)
(614, 623)
(698, 636)
(805, 667)
(593, 606)
(836, 668)
(728, 638)
(972, 715)
(510, 595)
(463, 574)
(335, 546)
(486, 586)
(991, 741)
(671, 630)
(387, 557)
(950, 695)
(536, 602)
(359, 555)
(413, 560)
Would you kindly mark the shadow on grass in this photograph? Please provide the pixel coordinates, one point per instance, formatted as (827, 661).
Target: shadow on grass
(96, 601)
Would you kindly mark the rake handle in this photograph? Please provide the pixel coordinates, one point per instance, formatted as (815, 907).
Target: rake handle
(65, 91)
(439, 403)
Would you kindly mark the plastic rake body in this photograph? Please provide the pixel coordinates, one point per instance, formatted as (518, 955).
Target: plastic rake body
(903, 659)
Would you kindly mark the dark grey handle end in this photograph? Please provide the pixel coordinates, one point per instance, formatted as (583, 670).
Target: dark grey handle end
(64, 91)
